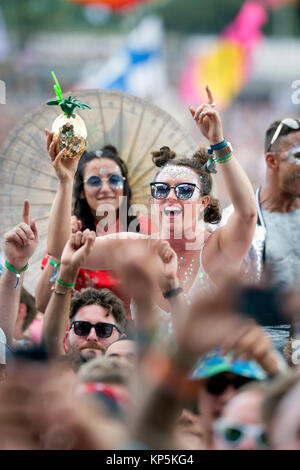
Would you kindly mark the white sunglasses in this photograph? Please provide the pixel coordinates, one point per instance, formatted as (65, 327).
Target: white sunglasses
(291, 123)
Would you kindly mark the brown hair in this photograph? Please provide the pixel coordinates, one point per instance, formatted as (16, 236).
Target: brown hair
(165, 155)
(107, 370)
(271, 131)
(31, 310)
(103, 297)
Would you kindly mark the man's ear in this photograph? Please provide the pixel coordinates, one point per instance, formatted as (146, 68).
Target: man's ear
(272, 161)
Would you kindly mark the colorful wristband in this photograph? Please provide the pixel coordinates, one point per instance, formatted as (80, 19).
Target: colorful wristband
(17, 273)
(225, 158)
(12, 269)
(66, 284)
(219, 146)
(56, 265)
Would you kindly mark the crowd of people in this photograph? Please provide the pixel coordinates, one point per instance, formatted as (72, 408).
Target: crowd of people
(173, 331)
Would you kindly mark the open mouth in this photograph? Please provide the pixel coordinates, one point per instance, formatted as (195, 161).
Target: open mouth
(106, 198)
(172, 211)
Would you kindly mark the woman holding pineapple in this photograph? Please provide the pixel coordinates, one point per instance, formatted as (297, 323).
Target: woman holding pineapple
(102, 194)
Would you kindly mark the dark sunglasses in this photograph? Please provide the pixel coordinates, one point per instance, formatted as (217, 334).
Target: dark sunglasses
(115, 181)
(103, 330)
(234, 435)
(183, 191)
(289, 122)
(217, 384)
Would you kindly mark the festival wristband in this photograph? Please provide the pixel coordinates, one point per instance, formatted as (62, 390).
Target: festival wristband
(65, 284)
(219, 146)
(56, 265)
(225, 158)
(17, 273)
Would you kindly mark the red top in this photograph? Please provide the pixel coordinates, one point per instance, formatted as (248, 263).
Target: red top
(102, 279)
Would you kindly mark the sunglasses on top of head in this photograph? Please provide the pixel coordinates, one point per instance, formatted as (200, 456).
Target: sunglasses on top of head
(289, 122)
(115, 181)
(103, 330)
(183, 191)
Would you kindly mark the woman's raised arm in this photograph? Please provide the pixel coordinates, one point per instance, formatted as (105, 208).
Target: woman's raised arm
(232, 240)
(59, 229)
(108, 248)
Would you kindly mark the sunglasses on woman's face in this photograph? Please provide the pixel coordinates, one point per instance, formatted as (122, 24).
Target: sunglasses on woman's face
(115, 182)
(183, 191)
(234, 434)
(217, 384)
(103, 330)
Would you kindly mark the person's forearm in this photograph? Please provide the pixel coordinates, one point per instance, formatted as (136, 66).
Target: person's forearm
(238, 187)
(9, 303)
(57, 315)
(59, 228)
(162, 399)
(103, 256)
(177, 303)
(157, 418)
(43, 289)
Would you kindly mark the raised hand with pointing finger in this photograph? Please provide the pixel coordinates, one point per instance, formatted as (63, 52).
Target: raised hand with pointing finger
(21, 242)
(208, 119)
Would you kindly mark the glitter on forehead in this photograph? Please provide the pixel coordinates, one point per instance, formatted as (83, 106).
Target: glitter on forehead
(292, 152)
(104, 172)
(175, 171)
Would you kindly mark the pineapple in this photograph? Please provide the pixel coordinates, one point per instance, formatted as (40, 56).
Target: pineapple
(69, 128)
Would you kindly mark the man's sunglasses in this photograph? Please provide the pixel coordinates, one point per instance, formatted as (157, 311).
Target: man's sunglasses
(289, 122)
(183, 191)
(217, 384)
(234, 434)
(103, 330)
(116, 181)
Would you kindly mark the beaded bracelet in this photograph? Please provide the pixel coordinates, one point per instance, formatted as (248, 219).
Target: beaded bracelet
(17, 273)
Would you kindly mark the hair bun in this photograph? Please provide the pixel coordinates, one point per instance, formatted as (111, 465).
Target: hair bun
(161, 157)
(201, 156)
(109, 150)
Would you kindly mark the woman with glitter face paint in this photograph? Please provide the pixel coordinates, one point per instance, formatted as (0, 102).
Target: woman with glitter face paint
(182, 199)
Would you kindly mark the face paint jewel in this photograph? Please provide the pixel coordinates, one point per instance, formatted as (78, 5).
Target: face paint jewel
(102, 171)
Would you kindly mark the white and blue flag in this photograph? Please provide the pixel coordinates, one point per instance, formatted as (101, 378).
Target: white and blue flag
(138, 68)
